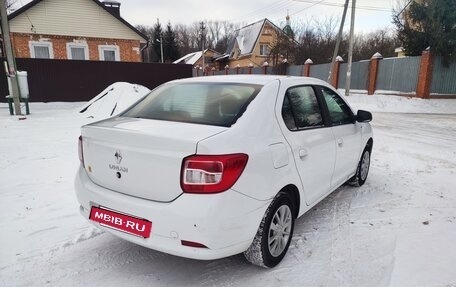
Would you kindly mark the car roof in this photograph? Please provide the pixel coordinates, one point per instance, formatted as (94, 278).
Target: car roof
(251, 79)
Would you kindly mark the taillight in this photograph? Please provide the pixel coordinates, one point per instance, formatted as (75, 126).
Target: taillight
(211, 173)
(80, 151)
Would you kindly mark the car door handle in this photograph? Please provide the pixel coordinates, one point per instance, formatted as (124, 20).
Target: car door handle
(302, 153)
(340, 142)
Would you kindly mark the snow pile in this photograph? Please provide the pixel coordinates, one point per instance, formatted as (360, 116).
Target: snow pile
(113, 100)
(399, 104)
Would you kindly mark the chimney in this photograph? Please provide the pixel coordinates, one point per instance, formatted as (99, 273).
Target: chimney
(113, 7)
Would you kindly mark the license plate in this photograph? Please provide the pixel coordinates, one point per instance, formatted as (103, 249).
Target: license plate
(126, 223)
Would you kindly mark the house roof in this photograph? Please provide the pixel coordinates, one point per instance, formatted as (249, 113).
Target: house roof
(34, 2)
(189, 58)
(247, 37)
(192, 58)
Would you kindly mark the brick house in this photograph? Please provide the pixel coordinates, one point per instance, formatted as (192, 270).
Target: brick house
(76, 29)
(252, 44)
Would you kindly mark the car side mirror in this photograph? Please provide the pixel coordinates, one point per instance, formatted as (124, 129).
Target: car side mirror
(363, 116)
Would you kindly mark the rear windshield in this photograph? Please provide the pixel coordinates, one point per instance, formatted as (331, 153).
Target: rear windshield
(219, 104)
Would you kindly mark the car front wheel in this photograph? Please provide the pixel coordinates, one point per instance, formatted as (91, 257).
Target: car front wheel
(274, 235)
(363, 169)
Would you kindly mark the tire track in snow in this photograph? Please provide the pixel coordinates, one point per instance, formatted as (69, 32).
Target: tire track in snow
(341, 262)
(228, 269)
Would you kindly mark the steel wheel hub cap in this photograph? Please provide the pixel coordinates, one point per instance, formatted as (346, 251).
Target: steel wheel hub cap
(279, 230)
(365, 165)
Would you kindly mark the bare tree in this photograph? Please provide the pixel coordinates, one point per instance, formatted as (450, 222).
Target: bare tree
(317, 40)
(383, 41)
(213, 33)
(148, 53)
(184, 39)
(283, 48)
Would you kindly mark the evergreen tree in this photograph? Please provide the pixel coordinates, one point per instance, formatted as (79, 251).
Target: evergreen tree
(170, 47)
(222, 44)
(428, 23)
(157, 35)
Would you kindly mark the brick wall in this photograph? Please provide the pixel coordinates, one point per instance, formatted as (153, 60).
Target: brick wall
(129, 50)
(423, 90)
(372, 76)
(335, 75)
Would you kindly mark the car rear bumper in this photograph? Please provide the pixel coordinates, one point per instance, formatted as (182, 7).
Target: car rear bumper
(225, 222)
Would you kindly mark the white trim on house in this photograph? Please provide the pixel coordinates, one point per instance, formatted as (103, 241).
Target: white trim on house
(33, 44)
(70, 45)
(115, 48)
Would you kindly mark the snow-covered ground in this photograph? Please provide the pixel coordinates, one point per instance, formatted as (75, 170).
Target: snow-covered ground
(399, 229)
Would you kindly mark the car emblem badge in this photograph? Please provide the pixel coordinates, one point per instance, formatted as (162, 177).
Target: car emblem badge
(118, 157)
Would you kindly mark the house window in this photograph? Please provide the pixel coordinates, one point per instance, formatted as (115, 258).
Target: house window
(267, 31)
(109, 53)
(77, 51)
(41, 50)
(264, 49)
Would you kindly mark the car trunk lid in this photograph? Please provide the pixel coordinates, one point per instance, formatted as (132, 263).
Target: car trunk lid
(141, 157)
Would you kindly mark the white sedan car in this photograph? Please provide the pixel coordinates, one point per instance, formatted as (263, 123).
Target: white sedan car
(210, 167)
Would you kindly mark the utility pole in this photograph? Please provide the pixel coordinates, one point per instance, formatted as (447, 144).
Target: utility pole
(350, 49)
(339, 37)
(12, 73)
(161, 47)
(202, 27)
(159, 40)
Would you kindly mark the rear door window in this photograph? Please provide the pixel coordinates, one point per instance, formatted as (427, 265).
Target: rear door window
(300, 109)
(287, 115)
(219, 104)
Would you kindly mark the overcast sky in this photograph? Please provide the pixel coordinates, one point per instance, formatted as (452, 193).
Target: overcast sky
(370, 14)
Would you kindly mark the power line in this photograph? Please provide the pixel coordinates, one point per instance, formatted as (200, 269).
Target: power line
(327, 3)
(282, 10)
(274, 6)
(308, 7)
(281, 5)
(404, 7)
(32, 28)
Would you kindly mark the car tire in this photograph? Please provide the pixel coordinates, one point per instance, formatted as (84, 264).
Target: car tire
(363, 169)
(274, 235)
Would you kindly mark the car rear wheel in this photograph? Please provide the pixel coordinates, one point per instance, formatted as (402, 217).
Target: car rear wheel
(363, 169)
(274, 235)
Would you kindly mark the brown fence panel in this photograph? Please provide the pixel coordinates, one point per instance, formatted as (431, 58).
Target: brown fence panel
(72, 81)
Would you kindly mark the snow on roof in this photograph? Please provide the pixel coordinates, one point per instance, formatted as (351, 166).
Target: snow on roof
(192, 58)
(189, 58)
(247, 36)
(113, 100)
(222, 57)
